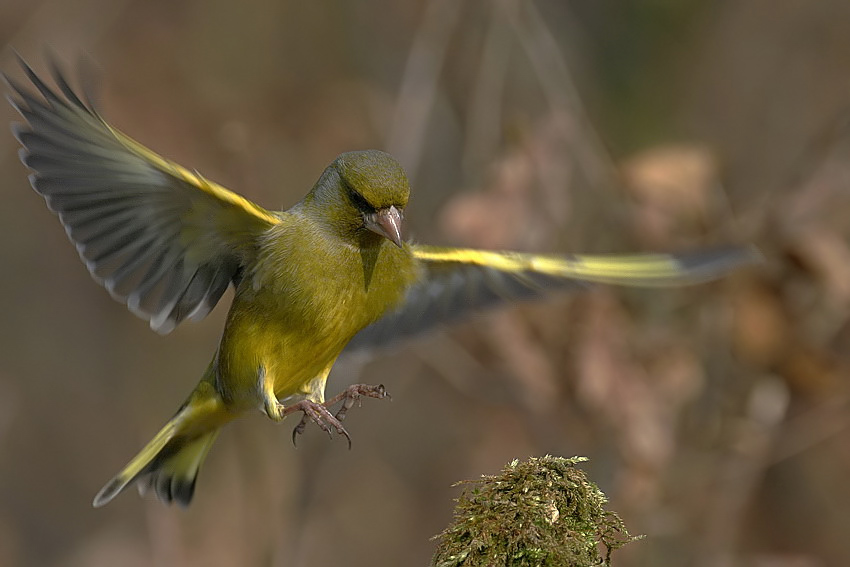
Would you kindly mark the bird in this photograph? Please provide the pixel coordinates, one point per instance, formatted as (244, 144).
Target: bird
(333, 272)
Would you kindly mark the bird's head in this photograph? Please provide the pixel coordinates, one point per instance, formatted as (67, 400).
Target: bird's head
(365, 190)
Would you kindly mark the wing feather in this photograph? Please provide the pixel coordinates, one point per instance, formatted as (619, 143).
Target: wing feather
(161, 239)
(457, 281)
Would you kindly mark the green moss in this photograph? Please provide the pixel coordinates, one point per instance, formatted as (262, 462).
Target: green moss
(541, 512)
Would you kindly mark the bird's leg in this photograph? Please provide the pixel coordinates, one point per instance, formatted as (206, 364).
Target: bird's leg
(355, 393)
(312, 406)
(274, 409)
(319, 414)
(315, 409)
(325, 420)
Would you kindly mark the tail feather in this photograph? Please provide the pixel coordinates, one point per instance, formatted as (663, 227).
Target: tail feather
(172, 475)
(140, 462)
(170, 462)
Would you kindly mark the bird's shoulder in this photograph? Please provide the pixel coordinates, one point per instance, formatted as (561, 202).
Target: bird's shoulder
(295, 248)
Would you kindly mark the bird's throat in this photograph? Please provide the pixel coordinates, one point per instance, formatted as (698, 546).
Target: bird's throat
(370, 250)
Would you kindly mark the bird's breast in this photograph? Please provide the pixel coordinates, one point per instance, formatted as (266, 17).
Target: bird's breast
(301, 304)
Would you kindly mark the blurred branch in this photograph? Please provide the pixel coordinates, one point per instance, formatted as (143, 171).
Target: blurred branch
(484, 120)
(559, 89)
(741, 471)
(811, 428)
(419, 83)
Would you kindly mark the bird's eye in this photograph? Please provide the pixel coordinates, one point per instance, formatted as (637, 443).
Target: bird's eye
(358, 200)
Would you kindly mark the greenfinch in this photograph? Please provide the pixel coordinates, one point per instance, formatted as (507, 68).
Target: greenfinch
(332, 270)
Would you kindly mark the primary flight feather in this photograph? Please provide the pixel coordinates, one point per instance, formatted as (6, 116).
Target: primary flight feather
(332, 271)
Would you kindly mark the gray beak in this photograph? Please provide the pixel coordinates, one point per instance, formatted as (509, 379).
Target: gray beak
(387, 223)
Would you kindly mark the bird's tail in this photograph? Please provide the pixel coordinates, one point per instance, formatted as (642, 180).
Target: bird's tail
(170, 462)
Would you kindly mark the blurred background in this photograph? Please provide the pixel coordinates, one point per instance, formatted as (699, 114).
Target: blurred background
(716, 418)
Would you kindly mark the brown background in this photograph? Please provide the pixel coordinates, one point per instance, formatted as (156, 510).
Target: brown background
(716, 418)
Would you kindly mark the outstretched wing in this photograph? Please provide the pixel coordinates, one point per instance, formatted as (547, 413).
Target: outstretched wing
(457, 281)
(158, 237)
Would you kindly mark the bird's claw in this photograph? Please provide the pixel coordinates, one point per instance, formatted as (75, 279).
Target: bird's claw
(318, 414)
(355, 393)
(321, 415)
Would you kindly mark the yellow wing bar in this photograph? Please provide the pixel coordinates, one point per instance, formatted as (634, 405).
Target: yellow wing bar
(636, 269)
(211, 188)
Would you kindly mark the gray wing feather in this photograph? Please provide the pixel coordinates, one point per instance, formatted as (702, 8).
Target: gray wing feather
(447, 293)
(124, 215)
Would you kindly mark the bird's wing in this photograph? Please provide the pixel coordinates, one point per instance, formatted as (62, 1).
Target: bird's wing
(160, 238)
(456, 281)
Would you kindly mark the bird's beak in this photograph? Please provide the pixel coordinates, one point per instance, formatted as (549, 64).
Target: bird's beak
(387, 223)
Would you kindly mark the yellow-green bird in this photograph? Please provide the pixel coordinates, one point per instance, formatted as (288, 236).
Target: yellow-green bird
(331, 270)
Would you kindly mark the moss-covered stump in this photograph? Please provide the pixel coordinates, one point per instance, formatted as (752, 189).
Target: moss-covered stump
(541, 512)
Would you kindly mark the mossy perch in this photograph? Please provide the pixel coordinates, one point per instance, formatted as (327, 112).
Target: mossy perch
(541, 512)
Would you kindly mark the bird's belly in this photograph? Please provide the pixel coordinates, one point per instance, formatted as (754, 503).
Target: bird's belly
(260, 346)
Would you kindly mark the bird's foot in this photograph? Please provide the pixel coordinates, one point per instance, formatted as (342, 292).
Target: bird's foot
(321, 415)
(355, 393)
(318, 414)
